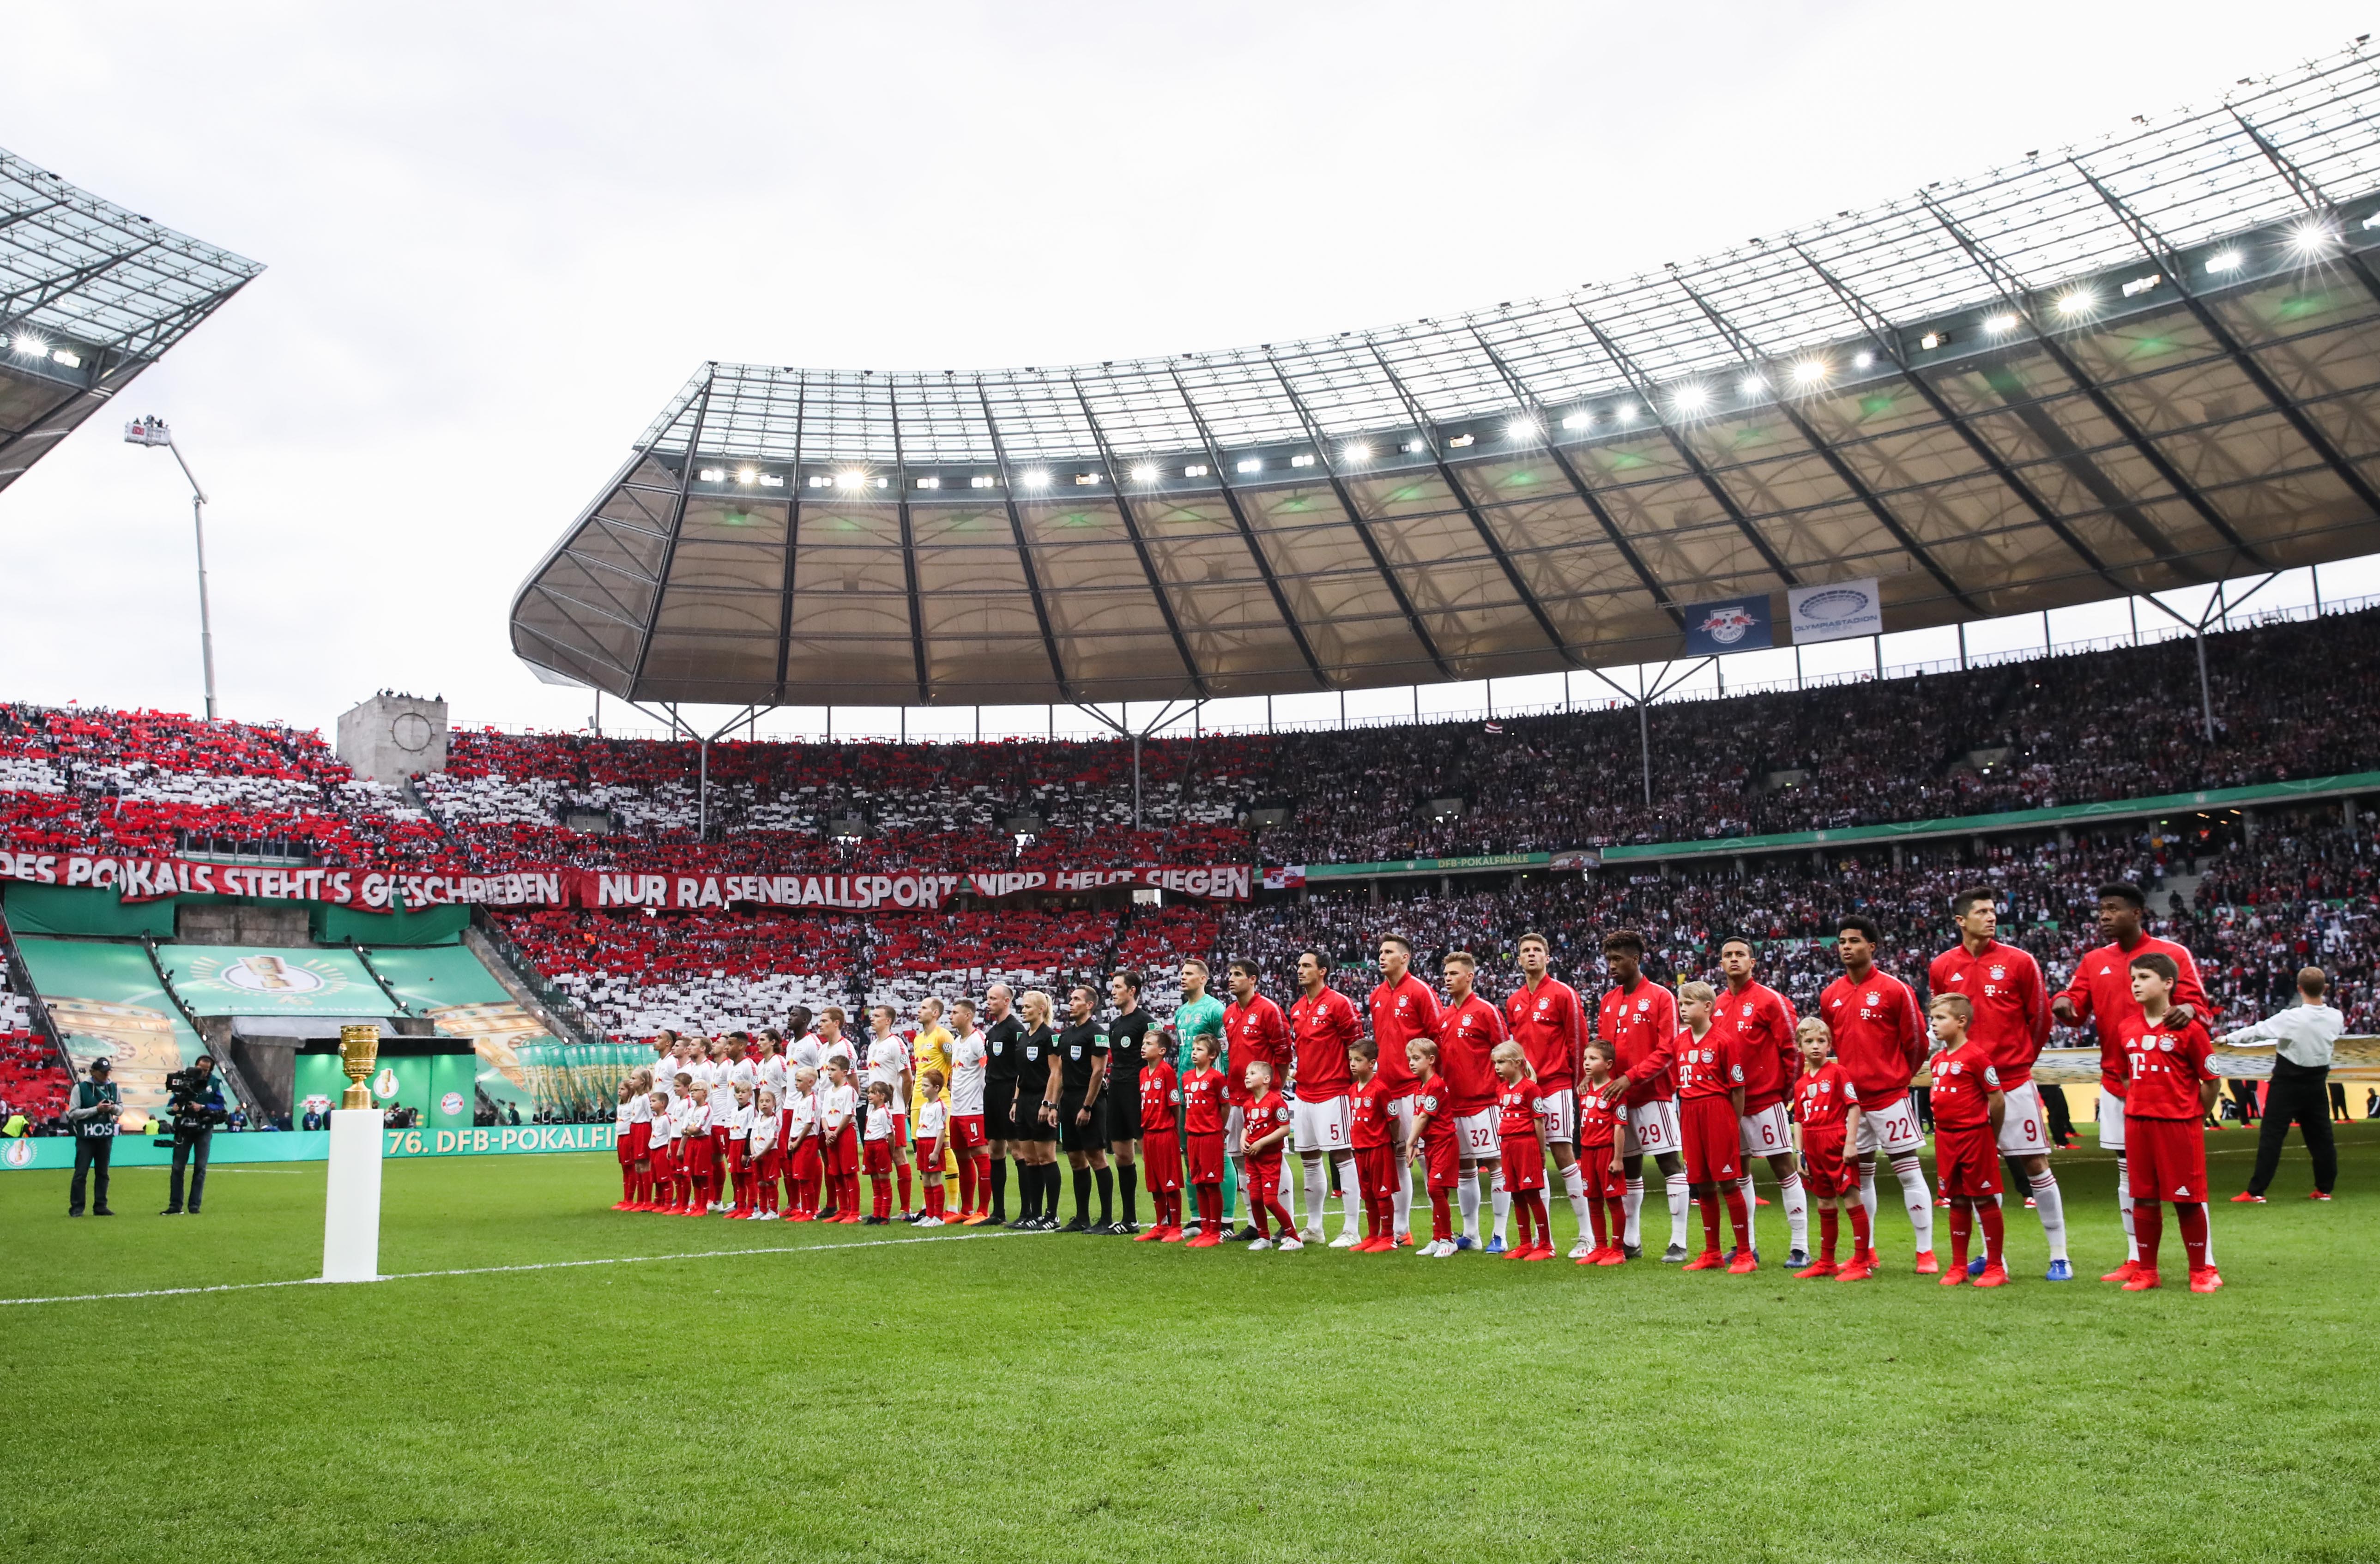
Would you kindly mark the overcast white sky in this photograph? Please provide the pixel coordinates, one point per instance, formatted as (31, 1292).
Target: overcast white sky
(499, 237)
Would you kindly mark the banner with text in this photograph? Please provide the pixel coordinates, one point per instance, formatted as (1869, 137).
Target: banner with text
(1836, 613)
(149, 880)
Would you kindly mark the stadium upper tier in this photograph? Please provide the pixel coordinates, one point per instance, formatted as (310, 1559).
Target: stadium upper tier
(91, 295)
(2127, 367)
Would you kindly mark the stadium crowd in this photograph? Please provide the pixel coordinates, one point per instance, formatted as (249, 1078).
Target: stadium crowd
(2292, 700)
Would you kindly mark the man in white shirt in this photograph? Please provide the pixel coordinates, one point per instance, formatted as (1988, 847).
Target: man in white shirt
(2302, 1035)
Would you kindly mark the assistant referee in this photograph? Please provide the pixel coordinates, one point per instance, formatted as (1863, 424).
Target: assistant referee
(1077, 1086)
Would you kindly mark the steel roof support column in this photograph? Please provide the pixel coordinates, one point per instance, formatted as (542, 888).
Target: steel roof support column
(1361, 523)
(2311, 195)
(1663, 598)
(2153, 246)
(908, 549)
(1024, 553)
(793, 542)
(1428, 428)
(2018, 297)
(1140, 543)
(1842, 470)
(677, 526)
(1248, 533)
(1643, 389)
(1887, 339)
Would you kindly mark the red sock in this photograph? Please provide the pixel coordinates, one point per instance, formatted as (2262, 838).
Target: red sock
(1962, 1230)
(1829, 1227)
(1860, 1236)
(966, 1186)
(904, 1171)
(1594, 1220)
(1533, 1209)
(628, 1182)
(1210, 1207)
(1994, 1228)
(2148, 1225)
(1738, 1216)
(1615, 1218)
(1441, 1220)
(1707, 1205)
(2193, 1234)
(1280, 1216)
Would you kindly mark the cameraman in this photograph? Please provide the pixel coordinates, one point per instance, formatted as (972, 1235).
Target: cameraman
(197, 1107)
(94, 1108)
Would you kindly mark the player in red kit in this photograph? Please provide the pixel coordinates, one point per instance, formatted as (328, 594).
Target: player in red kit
(1161, 1148)
(1969, 1103)
(1826, 1118)
(1434, 1131)
(1764, 1023)
(1254, 1028)
(2169, 1083)
(1321, 1024)
(1710, 1111)
(1374, 1132)
(2011, 1022)
(1205, 1105)
(1639, 1019)
(1880, 1042)
(1522, 1170)
(1403, 1008)
(2101, 993)
(1545, 1017)
(1468, 1030)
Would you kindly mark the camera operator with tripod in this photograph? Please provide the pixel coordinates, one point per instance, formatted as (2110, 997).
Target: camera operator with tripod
(195, 1103)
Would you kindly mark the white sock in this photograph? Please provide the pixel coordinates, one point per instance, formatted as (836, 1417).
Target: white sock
(2052, 1208)
(1351, 1198)
(1466, 1200)
(1632, 1206)
(1503, 1203)
(1575, 1185)
(1316, 1191)
(1681, 1201)
(1797, 1211)
(1400, 1208)
(1867, 1197)
(2124, 1205)
(2209, 1212)
(1751, 1209)
(1914, 1195)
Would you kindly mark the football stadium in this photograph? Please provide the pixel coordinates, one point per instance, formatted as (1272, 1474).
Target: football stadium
(1783, 852)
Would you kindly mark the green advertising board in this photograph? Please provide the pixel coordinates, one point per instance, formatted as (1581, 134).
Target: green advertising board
(260, 980)
(314, 1145)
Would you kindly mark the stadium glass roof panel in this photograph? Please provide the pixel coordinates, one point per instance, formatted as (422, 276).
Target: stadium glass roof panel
(91, 295)
(2146, 362)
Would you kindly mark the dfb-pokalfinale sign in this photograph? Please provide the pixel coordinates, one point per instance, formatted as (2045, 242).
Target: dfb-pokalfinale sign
(152, 878)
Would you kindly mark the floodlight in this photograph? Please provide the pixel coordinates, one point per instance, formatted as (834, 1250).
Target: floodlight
(1933, 340)
(851, 480)
(28, 344)
(1864, 361)
(980, 480)
(1809, 371)
(1143, 473)
(2308, 237)
(1037, 479)
(1461, 439)
(1580, 419)
(712, 475)
(71, 361)
(2140, 286)
(1196, 469)
(1251, 464)
(2224, 261)
(1751, 385)
(1084, 478)
(1413, 447)
(1303, 459)
(1356, 454)
(1689, 397)
(748, 475)
(1627, 412)
(2079, 302)
(2001, 323)
(1522, 429)
(929, 483)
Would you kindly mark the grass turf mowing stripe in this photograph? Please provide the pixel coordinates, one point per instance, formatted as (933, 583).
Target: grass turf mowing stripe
(491, 1270)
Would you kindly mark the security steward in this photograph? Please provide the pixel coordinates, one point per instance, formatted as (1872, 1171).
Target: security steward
(92, 1115)
(1080, 1080)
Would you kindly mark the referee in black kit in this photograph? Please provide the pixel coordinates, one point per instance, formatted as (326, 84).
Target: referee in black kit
(1081, 1109)
(1128, 1041)
(1001, 1033)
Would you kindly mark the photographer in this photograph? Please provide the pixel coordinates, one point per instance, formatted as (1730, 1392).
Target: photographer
(92, 1115)
(196, 1106)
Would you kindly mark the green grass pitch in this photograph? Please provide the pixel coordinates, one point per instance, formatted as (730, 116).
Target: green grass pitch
(846, 1394)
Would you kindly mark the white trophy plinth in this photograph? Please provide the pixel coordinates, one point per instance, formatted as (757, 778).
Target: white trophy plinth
(351, 1203)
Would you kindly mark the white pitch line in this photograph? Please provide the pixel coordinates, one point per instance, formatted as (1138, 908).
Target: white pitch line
(491, 1270)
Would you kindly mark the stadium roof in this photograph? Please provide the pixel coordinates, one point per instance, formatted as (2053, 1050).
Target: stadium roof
(2122, 368)
(91, 295)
